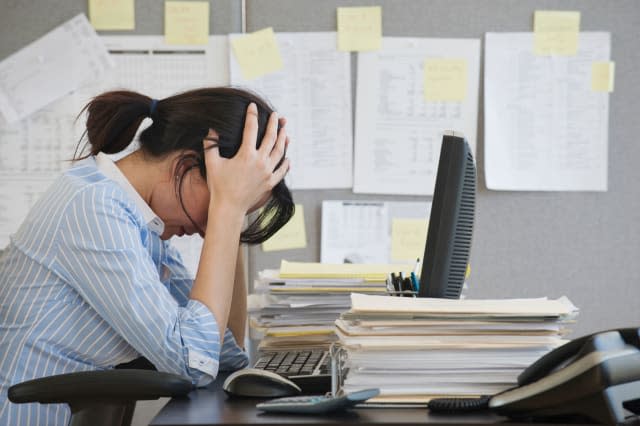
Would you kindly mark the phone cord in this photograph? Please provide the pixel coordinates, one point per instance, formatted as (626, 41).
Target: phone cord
(458, 405)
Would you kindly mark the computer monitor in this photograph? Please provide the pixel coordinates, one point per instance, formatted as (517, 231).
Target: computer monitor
(448, 245)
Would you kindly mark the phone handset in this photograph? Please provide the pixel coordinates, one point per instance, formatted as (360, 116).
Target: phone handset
(605, 340)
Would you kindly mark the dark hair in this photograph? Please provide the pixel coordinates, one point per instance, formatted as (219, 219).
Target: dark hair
(180, 123)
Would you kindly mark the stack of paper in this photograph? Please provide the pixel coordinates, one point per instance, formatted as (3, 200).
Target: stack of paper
(298, 304)
(415, 349)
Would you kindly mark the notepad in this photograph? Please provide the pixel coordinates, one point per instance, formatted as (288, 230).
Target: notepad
(368, 272)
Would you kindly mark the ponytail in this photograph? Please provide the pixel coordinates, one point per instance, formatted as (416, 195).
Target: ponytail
(113, 119)
(180, 123)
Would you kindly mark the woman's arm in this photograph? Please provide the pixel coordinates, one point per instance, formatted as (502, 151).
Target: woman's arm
(235, 185)
(238, 315)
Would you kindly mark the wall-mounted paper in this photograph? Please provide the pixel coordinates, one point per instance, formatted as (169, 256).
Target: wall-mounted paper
(291, 236)
(112, 14)
(556, 32)
(362, 231)
(35, 150)
(313, 91)
(257, 53)
(602, 76)
(186, 22)
(545, 129)
(57, 63)
(359, 28)
(445, 79)
(398, 132)
(408, 237)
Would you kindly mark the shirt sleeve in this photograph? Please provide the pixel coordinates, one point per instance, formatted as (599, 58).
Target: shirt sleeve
(232, 356)
(102, 255)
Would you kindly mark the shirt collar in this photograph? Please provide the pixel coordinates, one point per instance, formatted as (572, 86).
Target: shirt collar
(110, 170)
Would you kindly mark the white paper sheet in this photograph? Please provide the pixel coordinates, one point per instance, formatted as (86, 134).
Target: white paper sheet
(545, 129)
(51, 67)
(360, 231)
(36, 149)
(313, 91)
(397, 132)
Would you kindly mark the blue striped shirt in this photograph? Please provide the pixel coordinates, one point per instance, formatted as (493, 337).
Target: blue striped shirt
(86, 283)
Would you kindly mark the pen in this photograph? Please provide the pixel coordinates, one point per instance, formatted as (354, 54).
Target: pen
(394, 282)
(390, 283)
(415, 282)
(407, 287)
(414, 276)
(401, 287)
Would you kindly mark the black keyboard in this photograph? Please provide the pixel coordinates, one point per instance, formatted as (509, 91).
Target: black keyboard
(309, 369)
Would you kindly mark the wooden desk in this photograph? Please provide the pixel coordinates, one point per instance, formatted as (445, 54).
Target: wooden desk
(211, 406)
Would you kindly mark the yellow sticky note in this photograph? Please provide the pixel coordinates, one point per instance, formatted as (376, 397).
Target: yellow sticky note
(408, 237)
(556, 32)
(186, 22)
(290, 236)
(445, 79)
(359, 28)
(602, 76)
(257, 53)
(112, 14)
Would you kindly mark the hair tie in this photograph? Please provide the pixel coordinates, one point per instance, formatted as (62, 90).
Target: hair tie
(152, 107)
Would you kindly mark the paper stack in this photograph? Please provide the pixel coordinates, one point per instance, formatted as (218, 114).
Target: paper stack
(415, 349)
(297, 305)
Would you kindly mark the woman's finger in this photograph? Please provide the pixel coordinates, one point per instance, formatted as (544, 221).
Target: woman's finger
(280, 173)
(279, 148)
(269, 139)
(250, 133)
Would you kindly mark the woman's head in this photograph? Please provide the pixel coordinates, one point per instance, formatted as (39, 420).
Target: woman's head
(180, 123)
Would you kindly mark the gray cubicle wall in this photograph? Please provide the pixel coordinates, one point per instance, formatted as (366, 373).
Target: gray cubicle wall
(585, 245)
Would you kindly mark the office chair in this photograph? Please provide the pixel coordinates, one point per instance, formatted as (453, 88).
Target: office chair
(101, 398)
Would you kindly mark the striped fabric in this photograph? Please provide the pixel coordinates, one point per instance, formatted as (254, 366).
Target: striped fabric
(86, 285)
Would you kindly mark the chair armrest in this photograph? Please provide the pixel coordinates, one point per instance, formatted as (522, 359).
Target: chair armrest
(117, 385)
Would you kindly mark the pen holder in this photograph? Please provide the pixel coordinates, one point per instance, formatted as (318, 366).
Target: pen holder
(401, 286)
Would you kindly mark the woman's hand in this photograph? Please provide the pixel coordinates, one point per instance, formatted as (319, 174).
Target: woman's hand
(245, 180)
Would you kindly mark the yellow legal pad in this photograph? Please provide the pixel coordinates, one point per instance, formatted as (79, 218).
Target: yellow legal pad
(367, 272)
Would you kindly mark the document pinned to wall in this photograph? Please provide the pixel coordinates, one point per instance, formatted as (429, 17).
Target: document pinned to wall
(400, 122)
(372, 231)
(313, 91)
(37, 148)
(546, 129)
(151, 66)
(57, 63)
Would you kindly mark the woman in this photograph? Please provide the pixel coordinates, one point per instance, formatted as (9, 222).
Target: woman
(89, 281)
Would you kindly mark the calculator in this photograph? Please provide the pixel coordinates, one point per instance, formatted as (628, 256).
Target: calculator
(317, 404)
